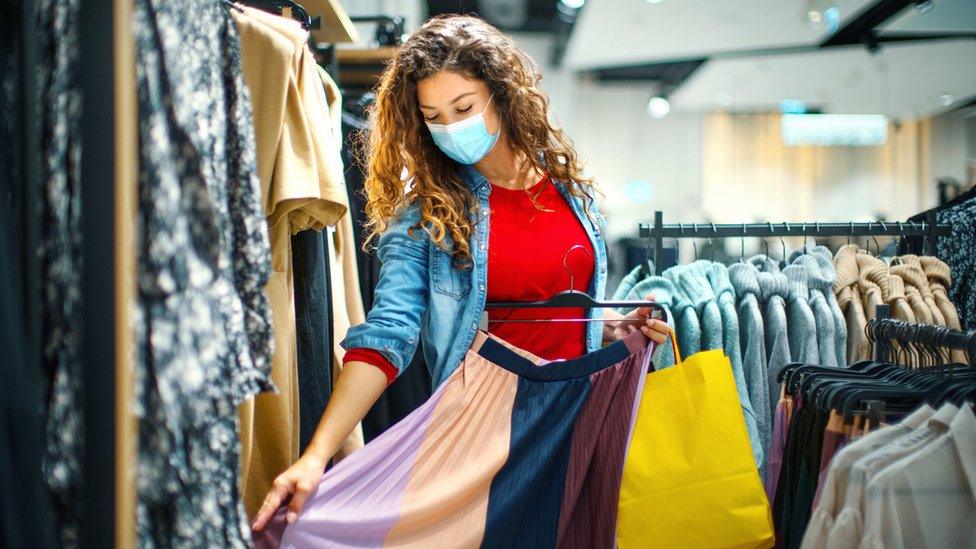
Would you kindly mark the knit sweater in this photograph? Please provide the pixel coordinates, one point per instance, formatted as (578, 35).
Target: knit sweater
(707, 285)
(857, 296)
(774, 289)
(916, 287)
(800, 323)
(918, 290)
(633, 287)
(825, 258)
(743, 277)
(937, 274)
(820, 278)
(687, 325)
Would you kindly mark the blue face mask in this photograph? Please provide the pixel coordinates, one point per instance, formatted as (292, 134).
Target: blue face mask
(466, 141)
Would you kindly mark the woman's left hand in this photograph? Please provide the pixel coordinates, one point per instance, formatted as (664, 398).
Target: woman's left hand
(638, 319)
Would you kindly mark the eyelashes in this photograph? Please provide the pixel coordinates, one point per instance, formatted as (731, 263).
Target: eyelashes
(459, 111)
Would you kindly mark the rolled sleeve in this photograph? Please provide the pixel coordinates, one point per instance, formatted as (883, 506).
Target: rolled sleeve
(392, 327)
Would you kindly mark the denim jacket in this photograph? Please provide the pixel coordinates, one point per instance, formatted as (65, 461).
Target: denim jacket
(420, 292)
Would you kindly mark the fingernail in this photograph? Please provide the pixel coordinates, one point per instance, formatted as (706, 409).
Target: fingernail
(291, 517)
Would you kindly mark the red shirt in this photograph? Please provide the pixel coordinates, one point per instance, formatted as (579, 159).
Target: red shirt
(526, 248)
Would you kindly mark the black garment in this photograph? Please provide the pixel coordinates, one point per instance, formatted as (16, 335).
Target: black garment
(25, 512)
(957, 251)
(313, 327)
(412, 388)
(367, 263)
(798, 477)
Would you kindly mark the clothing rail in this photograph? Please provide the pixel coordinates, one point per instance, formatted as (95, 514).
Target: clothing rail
(882, 328)
(657, 232)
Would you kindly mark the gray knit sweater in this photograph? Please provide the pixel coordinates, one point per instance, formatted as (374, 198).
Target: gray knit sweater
(744, 279)
(775, 289)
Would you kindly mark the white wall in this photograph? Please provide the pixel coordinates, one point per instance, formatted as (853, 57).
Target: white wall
(621, 144)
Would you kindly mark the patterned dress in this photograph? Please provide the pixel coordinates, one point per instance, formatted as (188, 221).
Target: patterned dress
(203, 322)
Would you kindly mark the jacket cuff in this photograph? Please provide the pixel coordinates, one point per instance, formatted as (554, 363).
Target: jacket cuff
(374, 358)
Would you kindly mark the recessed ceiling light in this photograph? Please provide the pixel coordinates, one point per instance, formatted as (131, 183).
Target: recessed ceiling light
(947, 99)
(654, 1)
(813, 16)
(573, 4)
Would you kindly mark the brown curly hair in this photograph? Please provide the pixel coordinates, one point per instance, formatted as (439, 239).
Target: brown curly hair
(399, 149)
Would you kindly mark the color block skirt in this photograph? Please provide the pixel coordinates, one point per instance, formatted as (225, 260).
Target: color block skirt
(510, 451)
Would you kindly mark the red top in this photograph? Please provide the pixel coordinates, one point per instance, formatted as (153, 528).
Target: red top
(526, 248)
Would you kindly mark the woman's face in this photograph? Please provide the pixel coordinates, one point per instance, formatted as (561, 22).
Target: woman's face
(447, 97)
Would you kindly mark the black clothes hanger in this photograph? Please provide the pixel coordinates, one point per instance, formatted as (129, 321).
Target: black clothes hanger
(571, 298)
(298, 12)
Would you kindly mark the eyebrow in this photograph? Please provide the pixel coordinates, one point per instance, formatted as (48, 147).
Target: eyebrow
(453, 101)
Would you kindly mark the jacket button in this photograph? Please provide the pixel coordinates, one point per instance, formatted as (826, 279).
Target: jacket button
(481, 287)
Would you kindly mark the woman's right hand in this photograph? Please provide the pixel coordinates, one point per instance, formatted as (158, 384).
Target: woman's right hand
(298, 481)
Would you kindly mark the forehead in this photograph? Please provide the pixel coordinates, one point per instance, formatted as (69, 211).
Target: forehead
(442, 87)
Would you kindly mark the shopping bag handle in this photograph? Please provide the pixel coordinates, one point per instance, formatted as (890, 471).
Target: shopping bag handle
(674, 347)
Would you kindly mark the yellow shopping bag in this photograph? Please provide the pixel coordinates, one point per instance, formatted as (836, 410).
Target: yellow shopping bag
(689, 478)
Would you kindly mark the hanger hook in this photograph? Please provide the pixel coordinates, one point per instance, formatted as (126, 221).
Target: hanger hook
(924, 241)
(572, 278)
(742, 244)
(900, 232)
(816, 233)
(803, 229)
(850, 233)
(875, 239)
(783, 242)
(677, 241)
(711, 244)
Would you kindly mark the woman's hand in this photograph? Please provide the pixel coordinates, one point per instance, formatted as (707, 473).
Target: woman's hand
(654, 329)
(298, 482)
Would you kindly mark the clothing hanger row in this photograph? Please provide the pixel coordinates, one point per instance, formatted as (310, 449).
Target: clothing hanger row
(570, 298)
(656, 233)
(298, 12)
(876, 388)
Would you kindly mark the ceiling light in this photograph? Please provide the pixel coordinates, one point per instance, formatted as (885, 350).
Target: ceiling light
(654, 1)
(723, 99)
(573, 4)
(947, 99)
(923, 6)
(813, 16)
(658, 107)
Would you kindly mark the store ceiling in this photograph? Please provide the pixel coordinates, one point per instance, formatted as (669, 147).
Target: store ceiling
(906, 80)
(759, 52)
(628, 32)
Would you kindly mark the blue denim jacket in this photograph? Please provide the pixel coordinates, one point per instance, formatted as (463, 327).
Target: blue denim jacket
(419, 292)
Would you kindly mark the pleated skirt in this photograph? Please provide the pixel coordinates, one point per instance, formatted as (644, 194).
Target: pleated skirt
(510, 451)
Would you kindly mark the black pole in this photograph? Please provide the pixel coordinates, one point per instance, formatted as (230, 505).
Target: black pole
(932, 235)
(880, 352)
(658, 241)
(98, 151)
(760, 230)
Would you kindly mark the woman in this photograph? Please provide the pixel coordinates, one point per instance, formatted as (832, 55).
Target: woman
(460, 129)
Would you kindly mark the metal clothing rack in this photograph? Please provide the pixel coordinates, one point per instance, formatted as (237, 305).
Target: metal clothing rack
(657, 232)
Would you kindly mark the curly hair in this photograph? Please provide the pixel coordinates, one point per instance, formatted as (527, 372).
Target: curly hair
(398, 149)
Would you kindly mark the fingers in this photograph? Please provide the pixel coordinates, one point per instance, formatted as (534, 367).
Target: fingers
(302, 490)
(643, 312)
(656, 330)
(279, 491)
